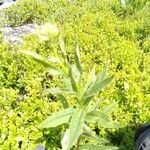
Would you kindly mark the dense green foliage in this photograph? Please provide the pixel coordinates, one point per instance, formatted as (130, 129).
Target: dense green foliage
(81, 113)
(106, 32)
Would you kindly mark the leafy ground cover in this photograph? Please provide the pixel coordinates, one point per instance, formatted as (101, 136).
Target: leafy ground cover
(106, 31)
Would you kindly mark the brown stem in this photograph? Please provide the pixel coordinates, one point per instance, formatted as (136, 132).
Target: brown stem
(78, 142)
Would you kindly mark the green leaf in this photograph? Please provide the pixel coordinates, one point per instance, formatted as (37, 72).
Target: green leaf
(77, 61)
(76, 74)
(95, 106)
(102, 74)
(91, 80)
(40, 59)
(63, 51)
(76, 127)
(95, 88)
(109, 108)
(72, 80)
(63, 101)
(92, 135)
(100, 118)
(64, 141)
(67, 83)
(56, 91)
(96, 147)
(58, 118)
(54, 59)
(55, 72)
(97, 117)
(37, 58)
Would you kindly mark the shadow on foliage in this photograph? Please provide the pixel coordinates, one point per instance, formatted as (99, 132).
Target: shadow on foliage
(123, 137)
(51, 138)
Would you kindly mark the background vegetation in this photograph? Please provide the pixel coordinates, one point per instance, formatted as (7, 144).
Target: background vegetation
(106, 31)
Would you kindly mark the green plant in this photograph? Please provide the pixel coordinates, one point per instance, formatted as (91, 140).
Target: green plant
(134, 6)
(25, 11)
(82, 112)
(105, 31)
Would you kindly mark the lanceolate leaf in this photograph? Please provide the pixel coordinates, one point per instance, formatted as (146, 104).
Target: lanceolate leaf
(40, 59)
(54, 59)
(63, 51)
(97, 147)
(92, 135)
(55, 72)
(100, 118)
(64, 141)
(72, 80)
(102, 74)
(37, 58)
(67, 83)
(108, 109)
(96, 117)
(57, 91)
(95, 106)
(77, 61)
(58, 118)
(76, 74)
(76, 127)
(91, 80)
(63, 101)
(95, 88)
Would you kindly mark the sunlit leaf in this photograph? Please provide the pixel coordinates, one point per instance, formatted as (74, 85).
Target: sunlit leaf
(67, 83)
(96, 147)
(76, 127)
(55, 72)
(97, 116)
(56, 91)
(92, 135)
(102, 74)
(95, 105)
(72, 80)
(58, 118)
(54, 59)
(91, 80)
(95, 88)
(63, 101)
(76, 74)
(38, 58)
(64, 141)
(77, 60)
(108, 109)
(63, 51)
(100, 118)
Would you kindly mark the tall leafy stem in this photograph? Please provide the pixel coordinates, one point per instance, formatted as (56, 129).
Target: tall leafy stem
(80, 115)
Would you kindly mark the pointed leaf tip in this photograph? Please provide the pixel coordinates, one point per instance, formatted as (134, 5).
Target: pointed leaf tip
(77, 61)
(76, 127)
(58, 118)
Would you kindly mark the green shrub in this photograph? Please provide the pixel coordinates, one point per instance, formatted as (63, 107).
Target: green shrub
(22, 106)
(81, 113)
(26, 11)
(105, 32)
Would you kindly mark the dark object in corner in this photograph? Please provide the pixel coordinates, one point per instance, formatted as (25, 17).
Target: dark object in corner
(142, 137)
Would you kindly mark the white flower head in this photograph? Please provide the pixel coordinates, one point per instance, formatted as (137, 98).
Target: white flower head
(48, 30)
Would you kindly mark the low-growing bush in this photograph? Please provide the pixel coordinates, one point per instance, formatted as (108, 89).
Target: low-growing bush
(23, 103)
(81, 113)
(105, 32)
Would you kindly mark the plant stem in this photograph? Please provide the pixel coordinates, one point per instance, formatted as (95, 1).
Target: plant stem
(78, 142)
